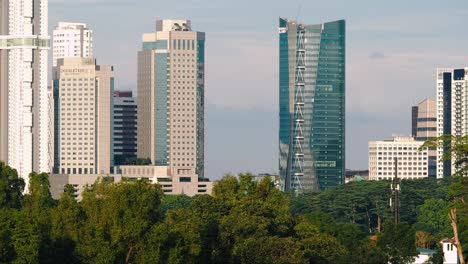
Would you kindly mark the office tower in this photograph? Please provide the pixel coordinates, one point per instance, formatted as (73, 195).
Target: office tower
(83, 97)
(125, 127)
(171, 100)
(71, 40)
(452, 110)
(312, 105)
(425, 116)
(412, 163)
(424, 127)
(24, 44)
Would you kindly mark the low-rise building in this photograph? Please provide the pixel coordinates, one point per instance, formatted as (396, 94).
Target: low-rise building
(172, 180)
(450, 251)
(412, 162)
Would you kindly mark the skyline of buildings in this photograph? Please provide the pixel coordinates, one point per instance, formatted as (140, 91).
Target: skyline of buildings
(171, 96)
(311, 105)
(173, 57)
(24, 44)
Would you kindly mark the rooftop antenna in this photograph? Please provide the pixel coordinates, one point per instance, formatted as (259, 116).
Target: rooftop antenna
(395, 199)
(298, 12)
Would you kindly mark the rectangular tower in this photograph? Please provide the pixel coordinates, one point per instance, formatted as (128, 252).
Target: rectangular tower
(312, 105)
(171, 96)
(71, 40)
(83, 97)
(426, 128)
(452, 110)
(24, 45)
(125, 127)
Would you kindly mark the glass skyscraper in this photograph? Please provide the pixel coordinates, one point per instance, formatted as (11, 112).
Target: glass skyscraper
(312, 105)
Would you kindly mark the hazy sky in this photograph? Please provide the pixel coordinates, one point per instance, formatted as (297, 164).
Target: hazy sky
(393, 49)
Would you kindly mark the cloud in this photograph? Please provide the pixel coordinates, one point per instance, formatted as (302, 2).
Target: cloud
(377, 56)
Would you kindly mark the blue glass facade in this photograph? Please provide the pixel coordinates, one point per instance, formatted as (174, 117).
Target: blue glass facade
(312, 105)
(161, 108)
(200, 169)
(155, 45)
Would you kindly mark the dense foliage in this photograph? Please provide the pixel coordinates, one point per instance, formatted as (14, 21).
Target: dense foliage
(242, 222)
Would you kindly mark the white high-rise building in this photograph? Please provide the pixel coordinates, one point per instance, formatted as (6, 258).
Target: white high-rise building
(452, 110)
(24, 44)
(412, 163)
(171, 96)
(72, 40)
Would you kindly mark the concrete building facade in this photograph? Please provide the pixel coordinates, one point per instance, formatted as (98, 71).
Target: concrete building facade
(24, 44)
(412, 163)
(452, 110)
(312, 93)
(125, 127)
(172, 180)
(171, 92)
(83, 123)
(71, 40)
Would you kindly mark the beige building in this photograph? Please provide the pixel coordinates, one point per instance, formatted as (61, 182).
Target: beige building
(425, 120)
(172, 181)
(171, 96)
(424, 127)
(412, 163)
(83, 98)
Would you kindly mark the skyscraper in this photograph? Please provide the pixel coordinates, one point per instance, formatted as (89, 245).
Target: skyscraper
(424, 127)
(171, 96)
(24, 44)
(71, 40)
(312, 105)
(83, 98)
(452, 110)
(125, 127)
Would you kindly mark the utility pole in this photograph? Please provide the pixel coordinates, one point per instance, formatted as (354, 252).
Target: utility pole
(395, 199)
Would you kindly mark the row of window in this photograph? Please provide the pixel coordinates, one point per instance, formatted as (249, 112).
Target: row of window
(404, 163)
(79, 171)
(401, 158)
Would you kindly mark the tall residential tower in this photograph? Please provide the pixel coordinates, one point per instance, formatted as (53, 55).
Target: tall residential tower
(452, 110)
(24, 45)
(171, 96)
(71, 40)
(312, 105)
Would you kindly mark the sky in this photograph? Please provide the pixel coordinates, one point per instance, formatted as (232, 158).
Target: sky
(393, 49)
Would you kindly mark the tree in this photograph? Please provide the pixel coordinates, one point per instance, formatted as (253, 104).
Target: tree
(456, 148)
(11, 187)
(67, 218)
(31, 236)
(318, 247)
(117, 216)
(398, 241)
(173, 202)
(432, 218)
(11, 197)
